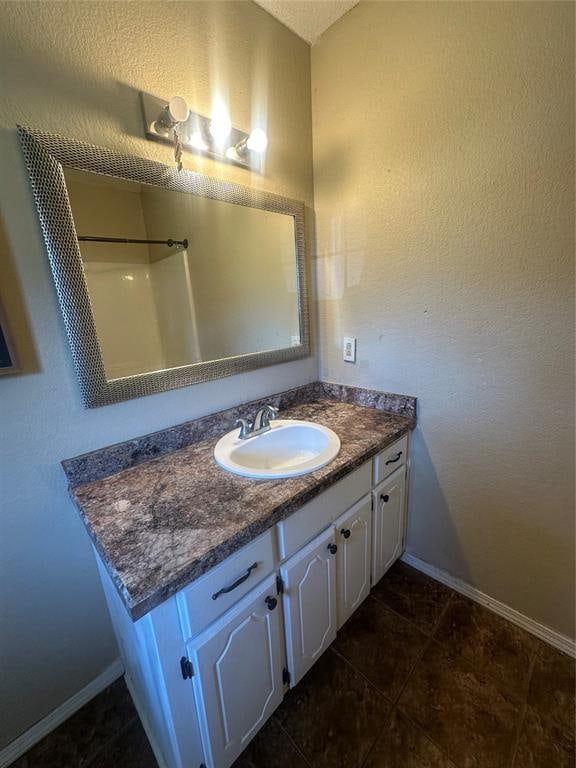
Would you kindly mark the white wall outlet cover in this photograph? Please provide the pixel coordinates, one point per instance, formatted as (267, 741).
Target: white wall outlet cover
(349, 349)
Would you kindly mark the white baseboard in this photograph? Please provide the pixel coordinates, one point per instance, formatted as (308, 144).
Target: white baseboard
(43, 727)
(550, 636)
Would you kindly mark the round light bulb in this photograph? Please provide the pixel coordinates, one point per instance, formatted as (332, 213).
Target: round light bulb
(257, 141)
(220, 125)
(196, 140)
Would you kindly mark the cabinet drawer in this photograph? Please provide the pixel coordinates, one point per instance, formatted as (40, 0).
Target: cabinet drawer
(390, 459)
(222, 587)
(313, 517)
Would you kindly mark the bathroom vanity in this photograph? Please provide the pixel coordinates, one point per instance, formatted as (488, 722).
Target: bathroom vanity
(225, 590)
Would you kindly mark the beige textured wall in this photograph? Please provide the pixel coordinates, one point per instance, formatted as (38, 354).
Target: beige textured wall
(444, 190)
(75, 69)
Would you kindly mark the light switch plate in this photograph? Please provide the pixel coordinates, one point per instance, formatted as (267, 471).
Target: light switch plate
(349, 349)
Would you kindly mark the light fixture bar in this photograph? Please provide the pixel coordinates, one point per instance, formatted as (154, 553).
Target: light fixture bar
(195, 135)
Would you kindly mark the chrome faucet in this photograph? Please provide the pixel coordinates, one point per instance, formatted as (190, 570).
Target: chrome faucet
(260, 423)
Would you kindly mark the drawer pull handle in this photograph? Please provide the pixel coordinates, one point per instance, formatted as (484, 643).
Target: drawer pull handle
(237, 583)
(332, 548)
(271, 602)
(345, 532)
(393, 461)
(385, 498)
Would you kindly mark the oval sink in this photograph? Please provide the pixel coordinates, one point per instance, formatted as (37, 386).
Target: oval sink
(288, 449)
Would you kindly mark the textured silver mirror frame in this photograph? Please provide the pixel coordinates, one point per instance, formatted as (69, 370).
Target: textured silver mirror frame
(45, 154)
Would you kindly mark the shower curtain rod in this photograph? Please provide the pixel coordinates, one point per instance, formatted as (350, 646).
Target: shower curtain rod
(169, 242)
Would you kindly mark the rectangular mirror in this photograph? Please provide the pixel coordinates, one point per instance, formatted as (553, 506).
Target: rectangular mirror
(166, 278)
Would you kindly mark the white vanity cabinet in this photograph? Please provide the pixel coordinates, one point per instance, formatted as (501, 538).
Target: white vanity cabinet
(309, 584)
(238, 666)
(208, 666)
(354, 557)
(389, 521)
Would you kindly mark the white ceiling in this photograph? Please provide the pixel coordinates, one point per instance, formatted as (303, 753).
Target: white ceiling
(308, 18)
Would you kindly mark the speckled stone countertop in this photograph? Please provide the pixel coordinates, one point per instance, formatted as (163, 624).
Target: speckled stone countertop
(162, 523)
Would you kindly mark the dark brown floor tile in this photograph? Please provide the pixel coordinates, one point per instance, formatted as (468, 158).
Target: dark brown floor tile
(543, 745)
(270, 748)
(130, 750)
(465, 714)
(381, 645)
(552, 687)
(333, 715)
(75, 742)
(413, 595)
(494, 646)
(402, 745)
(22, 762)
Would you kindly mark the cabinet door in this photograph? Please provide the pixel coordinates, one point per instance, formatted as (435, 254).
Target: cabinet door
(353, 559)
(389, 521)
(238, 665)
(310, 603)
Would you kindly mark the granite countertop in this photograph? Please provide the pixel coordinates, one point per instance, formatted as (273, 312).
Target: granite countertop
(161, 524)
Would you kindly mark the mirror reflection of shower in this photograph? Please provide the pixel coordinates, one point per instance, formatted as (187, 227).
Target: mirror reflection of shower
(176, 279)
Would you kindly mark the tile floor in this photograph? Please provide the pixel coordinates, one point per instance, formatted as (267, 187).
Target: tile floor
(420, 677)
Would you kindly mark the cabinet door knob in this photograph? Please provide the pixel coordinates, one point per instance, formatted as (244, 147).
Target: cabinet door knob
(271, 602)
(332, 548)
(385, 498)
(345, 532)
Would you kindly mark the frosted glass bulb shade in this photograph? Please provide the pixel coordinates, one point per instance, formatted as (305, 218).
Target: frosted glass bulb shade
(178, 109)
(257, 141)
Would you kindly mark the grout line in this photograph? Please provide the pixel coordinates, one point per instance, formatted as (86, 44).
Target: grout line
(400, 616)
(410, 621)
(113, 739)
(388, 701)
(521, 718)
(294, 744)
(420, 729)
(362, 675)
(430, 640)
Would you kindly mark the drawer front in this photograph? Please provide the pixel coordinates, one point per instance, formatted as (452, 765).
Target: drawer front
(390, 459)
(309, 520)
(223, 586)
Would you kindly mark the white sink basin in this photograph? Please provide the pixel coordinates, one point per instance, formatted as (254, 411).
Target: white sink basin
(288, 449)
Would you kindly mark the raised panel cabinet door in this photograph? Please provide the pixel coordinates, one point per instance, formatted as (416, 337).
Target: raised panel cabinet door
(238, 664)
(354, 556)
(310, 603)
(389, 520)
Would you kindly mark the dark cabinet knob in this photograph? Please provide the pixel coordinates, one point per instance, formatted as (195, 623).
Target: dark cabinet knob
(332, 548)
(345, 532)
(271, 602)
(384, 497)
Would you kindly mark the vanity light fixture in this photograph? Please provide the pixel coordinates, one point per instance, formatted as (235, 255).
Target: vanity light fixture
(173, 122)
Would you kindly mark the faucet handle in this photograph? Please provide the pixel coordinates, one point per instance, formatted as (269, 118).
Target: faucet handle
(245, 428)
(267, 414)
(272, 411)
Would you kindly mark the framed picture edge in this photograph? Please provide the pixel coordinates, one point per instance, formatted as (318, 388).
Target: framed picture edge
(5, 333)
